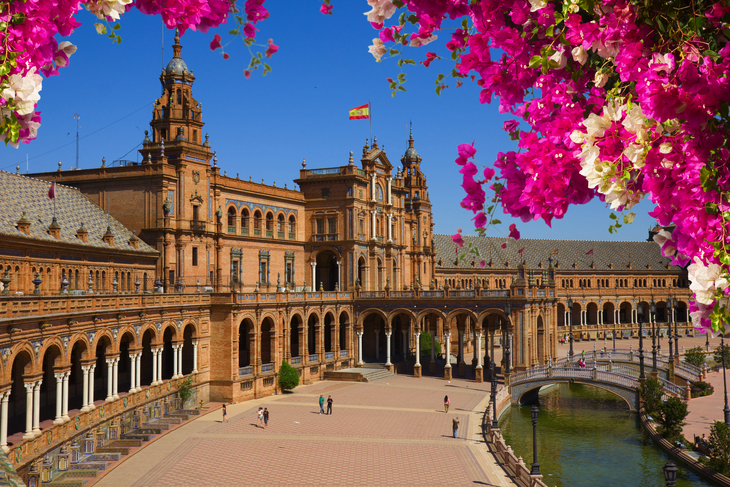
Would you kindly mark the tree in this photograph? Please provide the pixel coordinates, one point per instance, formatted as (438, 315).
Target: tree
(719, 353)
(288, 376)
(651, 392)
(695, 356)
(426, 341)
(719, 442)
(671, 416)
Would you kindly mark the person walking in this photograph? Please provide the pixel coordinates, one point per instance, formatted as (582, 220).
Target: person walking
(455, 426)
(329, 404)
(225, 414)
(266, 417)
(446, 404)
(321, 404)
(260, 421)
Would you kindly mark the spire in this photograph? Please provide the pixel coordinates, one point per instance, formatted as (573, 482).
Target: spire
(176, 48)
(410, 137)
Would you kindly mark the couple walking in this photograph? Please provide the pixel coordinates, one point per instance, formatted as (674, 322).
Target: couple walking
(263, 417)
(329, 404)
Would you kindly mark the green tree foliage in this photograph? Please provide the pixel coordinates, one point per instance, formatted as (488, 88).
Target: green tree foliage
(719, 354)
(720, 447)
(695, 356)
(426, 340)
(288, 376)
(185, 389)
(651, 392)
(671, 416)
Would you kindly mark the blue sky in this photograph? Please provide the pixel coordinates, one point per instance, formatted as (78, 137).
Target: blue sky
(264, 126)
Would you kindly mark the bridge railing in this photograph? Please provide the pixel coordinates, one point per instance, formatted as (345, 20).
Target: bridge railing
(684, 370)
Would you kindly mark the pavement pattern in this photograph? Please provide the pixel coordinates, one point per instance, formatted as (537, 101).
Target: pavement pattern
(391, 431)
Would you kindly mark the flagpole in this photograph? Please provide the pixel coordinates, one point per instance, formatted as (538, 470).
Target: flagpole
(370, 117)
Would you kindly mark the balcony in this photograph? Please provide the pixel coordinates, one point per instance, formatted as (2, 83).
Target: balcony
(269, 233)
(313, 358)
(243, 371)
(343, 354)
(257, 232)
(296, 360)
(292, 236)
(279, 234)
(244, 231)
(198, 226)
(267, 368)
(329, 355)
(231, 229)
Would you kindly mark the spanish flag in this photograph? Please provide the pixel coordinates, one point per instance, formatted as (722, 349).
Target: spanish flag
(363, 111)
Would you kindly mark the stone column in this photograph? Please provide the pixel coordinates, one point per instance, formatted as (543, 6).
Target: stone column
(90, 402)
(28, 410)
(479, 372)
(339, 275)
(387, 347)
(85, 395)
(66, 378)
(160, 352)
(37, 408)
(4, 421)
(154, 366)
(404, 348)
(388, 180)
(418, 348)
(132, 372)
(390, 226)
(195, 356)
(359, 348)
(174, 360)
(59, 397)
(314, 276)
(447, 351)
(373, 224)
(138, 370)
(372, 186)
(109, 380)
(115, 379)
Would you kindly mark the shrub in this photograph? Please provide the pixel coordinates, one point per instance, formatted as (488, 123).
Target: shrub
(426, 340)
(718, 355)
(651, 392)
(185, 389)
(288, 376)
(671, 416)
(695, 356)
(719, 447)
(700, 388)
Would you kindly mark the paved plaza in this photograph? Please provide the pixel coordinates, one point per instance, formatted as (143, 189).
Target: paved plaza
(392, 431)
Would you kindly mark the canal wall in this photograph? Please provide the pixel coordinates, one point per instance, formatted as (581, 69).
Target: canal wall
(682, 455)
(513, 465)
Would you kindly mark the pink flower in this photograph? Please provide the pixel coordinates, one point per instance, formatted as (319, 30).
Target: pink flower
(482, 264)
(510, 126)
(457, 239)
(504, 245)
(255, 10)
(246, 73)
(430, 56)
(215, 43)
(271, 50)
(480, 220)
(249, 30)
(466, 151)
(521, 251)
(225, 55)
(488, 173)
(326, 9)
(513, 232)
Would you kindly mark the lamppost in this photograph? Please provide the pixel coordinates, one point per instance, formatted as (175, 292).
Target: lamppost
(669, 326)
(670, 474)
(726, 409)
(570, 329)
(676, 334)
(535, 466)
(652, 317)
(640, 318)
(707, 341)
(508, 345)
(495, 423)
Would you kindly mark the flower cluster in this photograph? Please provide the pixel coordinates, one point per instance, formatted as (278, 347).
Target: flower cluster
(618, 99)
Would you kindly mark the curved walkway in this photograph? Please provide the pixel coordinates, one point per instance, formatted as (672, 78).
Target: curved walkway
(391, 431)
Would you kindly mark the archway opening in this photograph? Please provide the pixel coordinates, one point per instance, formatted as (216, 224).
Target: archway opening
(167, 354)
(245, 342)
(187, 351)
(125, 367)
(146, 360)
(268, 333)
(373, 338)
(326, 271)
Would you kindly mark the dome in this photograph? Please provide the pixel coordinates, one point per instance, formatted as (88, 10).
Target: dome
(177, 66)
(411, 153)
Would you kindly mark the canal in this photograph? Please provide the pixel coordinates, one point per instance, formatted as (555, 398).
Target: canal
(587, 437)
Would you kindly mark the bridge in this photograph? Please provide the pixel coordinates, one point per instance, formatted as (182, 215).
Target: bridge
(619, 379)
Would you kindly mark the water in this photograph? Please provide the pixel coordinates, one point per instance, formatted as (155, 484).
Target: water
(587, 437)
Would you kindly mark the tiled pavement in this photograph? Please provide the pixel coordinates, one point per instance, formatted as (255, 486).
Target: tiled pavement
(388, 432)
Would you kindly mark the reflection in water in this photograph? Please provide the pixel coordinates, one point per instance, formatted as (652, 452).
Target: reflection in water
(588, 437)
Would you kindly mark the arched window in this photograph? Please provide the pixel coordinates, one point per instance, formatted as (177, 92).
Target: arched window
(244, 221)
(231, 220)
(269, 225)
(378, 192)
(257, 222)
(292, 227)
(179, 97)
(281, 223)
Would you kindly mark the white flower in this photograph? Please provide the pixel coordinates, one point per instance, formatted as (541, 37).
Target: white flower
(560, 57)
(65, 49)
(664, 240)
(596, 126)
(706, 280)
(377, 49)
(417, 42)
(665, 148)
(577, 136)
(107, 8)
(580, 55)
(537, 5)
(635, 153)
(600, 79)
(382, 9)
(635, 122)
(24, 91)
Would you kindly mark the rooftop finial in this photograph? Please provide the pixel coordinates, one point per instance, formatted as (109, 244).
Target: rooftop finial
(176, 47)
(351, 162)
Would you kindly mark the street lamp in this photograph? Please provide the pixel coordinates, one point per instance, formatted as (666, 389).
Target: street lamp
(676, 334)
(570, 329)
(508, 345)
(707, 341)
(670, 474)
(640, 318)
(669, 326)
(726, 409)
(652, 317)
(535, 466)
(495, 423)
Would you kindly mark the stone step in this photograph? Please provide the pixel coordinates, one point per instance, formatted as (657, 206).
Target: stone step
(156, 424)
(150, 429)
(127, 442)
(169, 420)
(113, 449)
(134, 435)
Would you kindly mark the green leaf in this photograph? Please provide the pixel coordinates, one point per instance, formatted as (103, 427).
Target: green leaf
(612, 216)
(402, 19)
(116, 26)
(4, 69)
(393, 52)
(18, 18)
(412, 19)
(535, 61)
(233, 32)
(438, 90)
(409, 61)
(496, 221)
(100, 28)
(400, 63)
(398, 3)
(401, 88)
